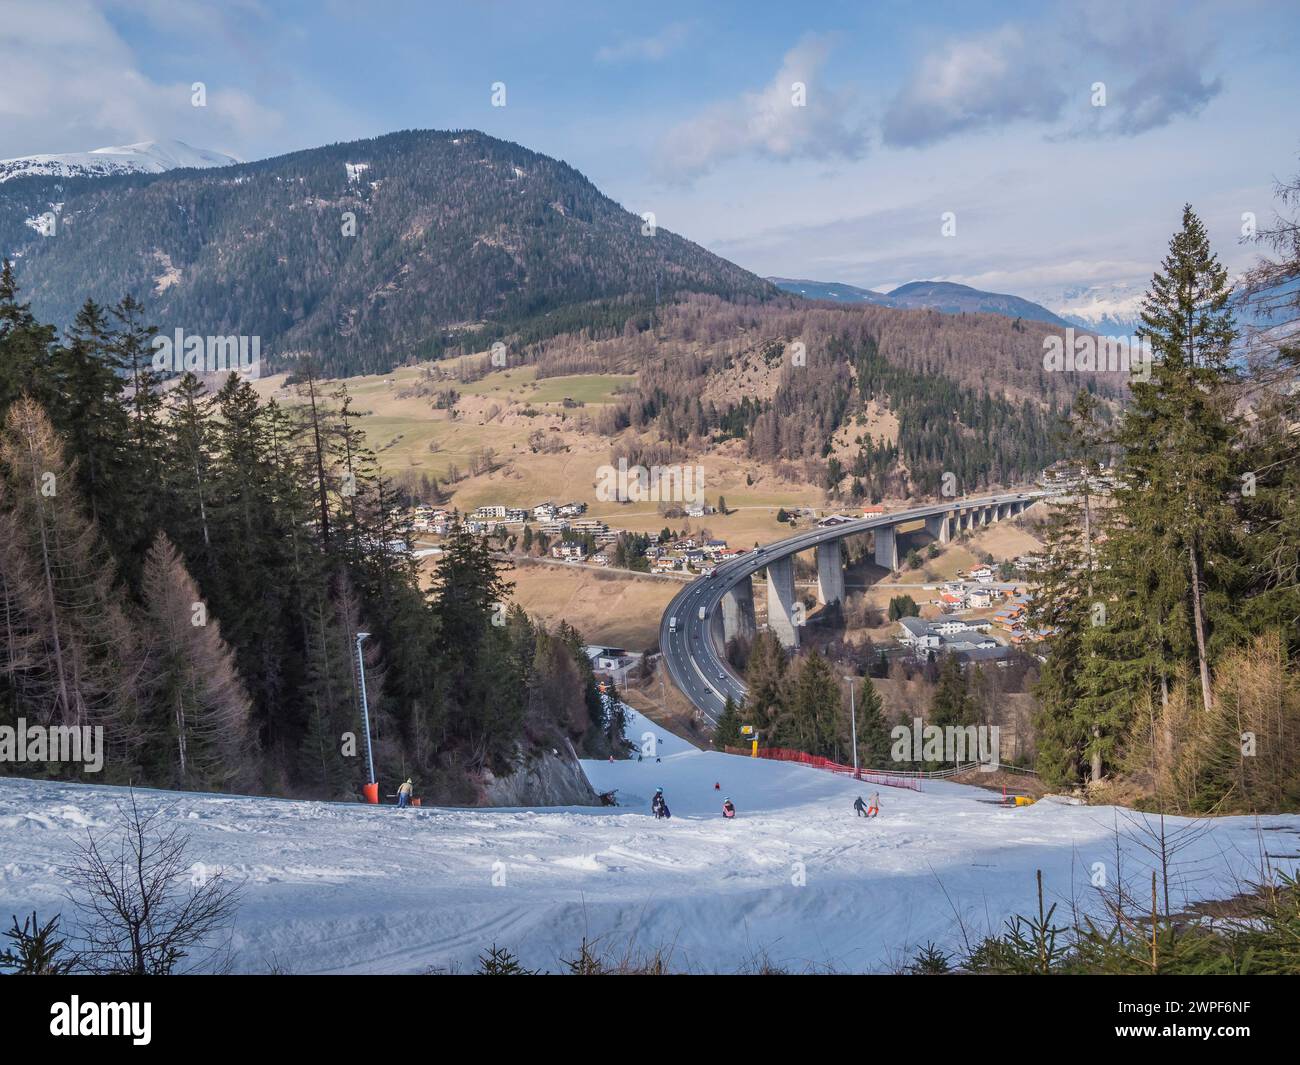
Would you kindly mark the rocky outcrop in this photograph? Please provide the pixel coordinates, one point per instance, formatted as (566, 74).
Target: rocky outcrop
(552, 777)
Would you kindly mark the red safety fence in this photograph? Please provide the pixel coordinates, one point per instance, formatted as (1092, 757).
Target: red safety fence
(871, 776)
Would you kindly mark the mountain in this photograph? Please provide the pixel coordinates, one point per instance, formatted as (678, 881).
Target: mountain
(951, 298)
(147, 157)
(1110, 310)
(944, 296)
(831, 290)
(364, 254)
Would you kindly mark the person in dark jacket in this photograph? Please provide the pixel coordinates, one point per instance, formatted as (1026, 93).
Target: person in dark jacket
(860, 807)
(658, 806)
(728, 810)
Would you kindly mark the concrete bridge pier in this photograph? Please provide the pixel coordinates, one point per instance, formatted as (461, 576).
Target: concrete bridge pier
(738, 612)
(830, 573)
(887, 547)
(781, 601)
(718, 633)
(937, 527)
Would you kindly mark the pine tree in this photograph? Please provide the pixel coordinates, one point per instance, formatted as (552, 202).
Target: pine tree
(873, 733)
(727, 732)
(189, 475)
(26, 347)
(78, 650)
(816, 709)
(91, 417)
(189, 680)
(1179, 477)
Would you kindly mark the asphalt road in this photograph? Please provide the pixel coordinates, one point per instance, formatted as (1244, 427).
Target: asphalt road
(695, 664)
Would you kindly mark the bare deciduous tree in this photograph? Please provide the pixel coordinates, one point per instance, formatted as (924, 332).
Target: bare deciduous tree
(143, 907)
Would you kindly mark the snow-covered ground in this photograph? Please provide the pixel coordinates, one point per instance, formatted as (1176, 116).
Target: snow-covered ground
(350, 888)
(147, 157)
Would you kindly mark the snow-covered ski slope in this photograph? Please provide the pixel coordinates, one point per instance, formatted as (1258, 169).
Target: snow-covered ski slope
(349, 888)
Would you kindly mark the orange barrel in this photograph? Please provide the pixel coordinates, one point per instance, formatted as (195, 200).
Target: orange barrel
(415, 802)
(371, 792)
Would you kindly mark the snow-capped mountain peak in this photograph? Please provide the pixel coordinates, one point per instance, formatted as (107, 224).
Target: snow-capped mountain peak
(146, 157)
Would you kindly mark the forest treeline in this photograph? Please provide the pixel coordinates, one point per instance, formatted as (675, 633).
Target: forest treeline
(191, 569)
(969, 392)
(1173, 598)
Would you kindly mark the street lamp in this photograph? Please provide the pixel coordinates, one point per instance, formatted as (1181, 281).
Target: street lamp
(365, 705)
(853, 720)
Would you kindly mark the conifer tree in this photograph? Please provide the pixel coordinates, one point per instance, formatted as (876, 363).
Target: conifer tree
(727, 732)
(873, 733)
(1179, 477)
(195, 696)
(78, 662)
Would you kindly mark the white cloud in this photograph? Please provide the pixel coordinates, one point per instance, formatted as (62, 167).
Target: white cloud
(987, 80)
(770, 122)
(1152, 58)
(650, 48)
(72, 83)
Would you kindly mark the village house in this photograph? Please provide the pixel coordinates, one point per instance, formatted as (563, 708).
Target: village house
(917, 633)
(570, 551)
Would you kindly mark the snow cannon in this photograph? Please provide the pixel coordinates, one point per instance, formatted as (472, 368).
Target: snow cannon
(371, 792)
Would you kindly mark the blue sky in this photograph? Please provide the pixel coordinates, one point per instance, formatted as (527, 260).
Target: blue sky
(911, 110)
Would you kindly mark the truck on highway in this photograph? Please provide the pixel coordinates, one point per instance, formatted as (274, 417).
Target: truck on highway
(702, 613)
(672, 624)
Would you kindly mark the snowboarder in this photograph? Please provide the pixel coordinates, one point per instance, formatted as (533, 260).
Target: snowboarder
(873, 805)
(860, 807)
(728, 810)
(404, 793)
(658, 806)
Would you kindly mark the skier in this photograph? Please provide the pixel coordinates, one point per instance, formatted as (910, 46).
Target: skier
(860, 807)
(658, 806)
(873, 806)
(728, 810)
(404, 793)
(717, 786)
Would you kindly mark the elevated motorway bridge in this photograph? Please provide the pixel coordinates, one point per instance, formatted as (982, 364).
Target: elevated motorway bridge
(709, 611)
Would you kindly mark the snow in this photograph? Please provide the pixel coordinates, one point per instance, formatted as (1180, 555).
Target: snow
(146, 157)
(336, 887)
